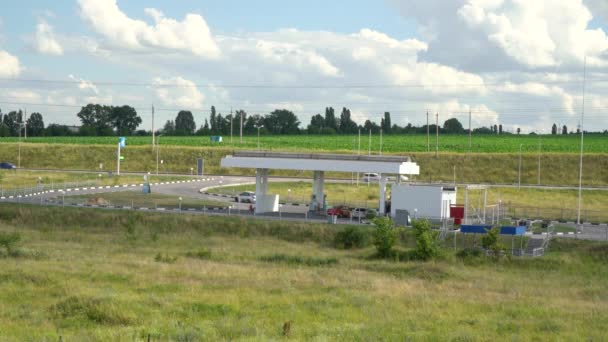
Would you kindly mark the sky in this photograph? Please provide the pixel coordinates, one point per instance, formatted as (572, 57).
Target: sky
(512, 62)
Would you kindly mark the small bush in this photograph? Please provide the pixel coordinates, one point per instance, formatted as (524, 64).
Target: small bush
(491, 242)
(352, 237)
(298, 260)
(426, 242)
(202, 254)
(9, 240)
(468, 253)
(385, 236)
(166, 258)
(96, 310)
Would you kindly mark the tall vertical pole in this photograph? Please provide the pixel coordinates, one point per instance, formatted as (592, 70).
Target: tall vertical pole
(157, 153)
(470, 131)
(437, 130)
(359, 149)
(24, 119)
(369, 144)
(118, 160)
(380, 141)
(231, 121)
(519, 172)
(428, 132)
(19, 152)
(241, 118)
(539, 153)
(580, 166)
(259, 138)
(153, 133)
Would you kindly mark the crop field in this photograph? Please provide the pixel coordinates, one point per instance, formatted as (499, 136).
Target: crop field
(101, 275)
(594, 143)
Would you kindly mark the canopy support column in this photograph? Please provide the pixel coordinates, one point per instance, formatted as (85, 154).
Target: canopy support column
(382, 184)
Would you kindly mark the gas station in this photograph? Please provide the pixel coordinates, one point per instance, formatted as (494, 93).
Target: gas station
(318, 163)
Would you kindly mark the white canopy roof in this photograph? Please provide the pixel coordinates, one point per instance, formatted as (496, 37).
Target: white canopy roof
(401, 165)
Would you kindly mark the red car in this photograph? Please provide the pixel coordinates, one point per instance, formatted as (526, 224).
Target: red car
(340, 211)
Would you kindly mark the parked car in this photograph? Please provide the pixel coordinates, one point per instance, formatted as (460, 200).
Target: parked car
(340, 211)
(364, 213)
(371, 177)
(245, 197)
(7, 165)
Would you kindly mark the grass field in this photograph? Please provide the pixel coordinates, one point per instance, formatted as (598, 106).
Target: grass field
(594, 143)
(10, 179)
(139, 199)
(556, 168)
(524, 202)
(98, 275)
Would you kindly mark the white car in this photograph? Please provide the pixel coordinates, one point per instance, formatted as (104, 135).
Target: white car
(245, 197)
(361, 213)
(371, 177)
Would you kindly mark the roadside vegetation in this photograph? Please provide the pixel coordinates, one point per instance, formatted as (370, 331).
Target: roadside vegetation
(140, 200)
(114, 275)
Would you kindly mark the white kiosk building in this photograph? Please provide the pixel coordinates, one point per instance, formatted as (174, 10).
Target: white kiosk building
(319, 164)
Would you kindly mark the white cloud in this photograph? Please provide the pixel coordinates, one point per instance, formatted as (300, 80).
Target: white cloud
(44, 40)
(292, 54)
(191, 34)
(481, 115)
(9, 65)
(178, 91)
(85, 85)
(539, 89)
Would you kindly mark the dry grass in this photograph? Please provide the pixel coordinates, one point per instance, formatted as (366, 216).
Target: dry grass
(97, 284)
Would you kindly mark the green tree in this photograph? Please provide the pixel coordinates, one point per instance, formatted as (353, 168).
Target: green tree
(35, 125)
(169, 128)
(565, 129)
(317, 123)
(385, 236)
(124, 119)
(426, 243)
(554, 129)
(491, 242)
(282, 121)
(95, 119)
(386, 123)
(184, 123)
(330, 119)
(453, 126)
(12, 121)
(347, 125)
(212, 122)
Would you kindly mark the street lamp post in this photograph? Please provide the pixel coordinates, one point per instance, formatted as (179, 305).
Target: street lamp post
(539, 153)
(519, 172)
(259, 136)
(157, 151)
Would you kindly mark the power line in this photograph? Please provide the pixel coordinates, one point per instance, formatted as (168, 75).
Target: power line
(300, 86)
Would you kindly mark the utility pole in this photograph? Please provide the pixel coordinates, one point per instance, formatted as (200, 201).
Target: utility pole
(539, 153)
(428, 138)
(153, 133)
(359, 149)
(369, 144)
(380, 141)
(231, 121)
(24, 124)
(241, 117)
(470, 140)
(519, 172)
(580, 166)
(437, 130)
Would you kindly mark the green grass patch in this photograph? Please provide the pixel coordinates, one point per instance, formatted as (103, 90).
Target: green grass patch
(298, 260)
(140, 199)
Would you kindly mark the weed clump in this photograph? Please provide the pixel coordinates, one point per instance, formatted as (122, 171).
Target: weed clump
(298, 260)
(165, 258)
(352, 237)
(426, 241)
(94, 310)
(203, 254)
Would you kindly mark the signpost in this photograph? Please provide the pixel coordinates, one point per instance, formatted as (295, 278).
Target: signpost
(122, 143)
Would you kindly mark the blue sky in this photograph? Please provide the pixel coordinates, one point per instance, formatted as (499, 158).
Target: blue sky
(501, 60)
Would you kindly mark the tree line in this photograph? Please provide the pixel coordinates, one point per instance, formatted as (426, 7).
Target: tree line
(102, 120)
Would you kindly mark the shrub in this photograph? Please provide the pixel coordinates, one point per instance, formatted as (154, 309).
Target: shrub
(385, 236)
(426, 242)
(490, 242)
(166, 258)
(203, 254)
(298, 260)
(468, 253)
(9, 240)
(352, 237)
